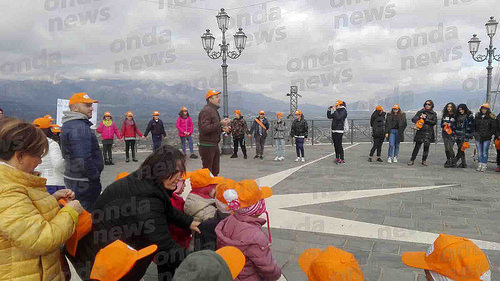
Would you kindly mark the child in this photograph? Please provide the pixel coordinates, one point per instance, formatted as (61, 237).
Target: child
(330, 264)
(299, 132)
(180, 235)
(279, 137)
(185, 128)
(129, 131)
(155, 126)
(243, 229)
(108, 130)
(377, 122)
(200, 203)
(238, 130)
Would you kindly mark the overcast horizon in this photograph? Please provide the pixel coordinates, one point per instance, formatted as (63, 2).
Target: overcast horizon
(331, 49)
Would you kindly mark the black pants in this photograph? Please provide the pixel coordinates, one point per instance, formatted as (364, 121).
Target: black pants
(107, 146)
(210, 158)
(260, 141)
(498, 157)
(86, 192)
(239, 141)
(299, 147)
(156, 141)
(130, 144)
(337, 143)
(460, 153)
(449, 142)
(377, 145)
(418, 144)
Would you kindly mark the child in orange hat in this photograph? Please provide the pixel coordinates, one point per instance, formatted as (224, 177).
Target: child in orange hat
(330, 264)
(201, 203)
(129, 132)
(243, 229)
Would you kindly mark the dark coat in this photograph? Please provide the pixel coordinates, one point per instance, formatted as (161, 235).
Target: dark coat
(209, 125)
(156, 128)
(239, 127)
(497, 134)
(138, 212)
(426, 133)
(377, 122)
(391, 121)
(452, 121)
(299, 128)
(484, 126)
(256, 129)
(338, 118)
(464, 126)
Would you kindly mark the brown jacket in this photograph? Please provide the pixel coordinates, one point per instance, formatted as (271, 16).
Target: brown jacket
(209, 125)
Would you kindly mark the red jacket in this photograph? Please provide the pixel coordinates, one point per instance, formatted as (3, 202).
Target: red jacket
(184, 125)
(108, 133)
(180, 235)
(130, 131)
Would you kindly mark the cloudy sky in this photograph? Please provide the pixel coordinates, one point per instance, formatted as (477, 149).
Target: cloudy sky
(331, 49)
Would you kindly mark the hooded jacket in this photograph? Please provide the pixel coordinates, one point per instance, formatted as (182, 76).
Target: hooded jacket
(184, 125)
(484, 126)
(391, 121)
(279, 130)
(203, 265)
(80, 148)
(108, 132)
(257, 130)
(426, 133)
(338, 118)
(299, 128)
(156, 128)
(377, 122)
(497, 134)
(200, 208)
(238, 127)
(209, 125)
(52, 166)
(245, 233)
(32, 228)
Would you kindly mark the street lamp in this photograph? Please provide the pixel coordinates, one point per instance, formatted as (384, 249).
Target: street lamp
(207, 41)
(474, 42)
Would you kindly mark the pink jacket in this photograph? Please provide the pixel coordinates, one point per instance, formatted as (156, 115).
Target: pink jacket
(184, 125)
(108, 133)
(245, 233)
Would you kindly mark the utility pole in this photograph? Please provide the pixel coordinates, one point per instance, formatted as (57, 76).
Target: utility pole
(294, 100)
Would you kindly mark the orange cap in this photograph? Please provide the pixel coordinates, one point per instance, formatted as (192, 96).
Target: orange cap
(262, 112)
(55, 128)
(121, 175)
(83, 226)
(107, 114)
(203, 177)
(330, 264)
(130, 113)
(186, 175)
(298, 112)
(238, 112)
(486, 105)
(247, 192)
(395, 106)
(184, 108)
(454, 257)
(379, 107)
(42, 123)
(115, 260)
(211, 93)
(48, 116)
(279, 114)
(339, 102)
(234, 258)
(81, 98)
(156, 113)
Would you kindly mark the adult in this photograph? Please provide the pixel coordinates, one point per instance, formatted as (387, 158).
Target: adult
(32, 226)
(299, 133)
(484, 129)
(81, 151)
(52, 166)
(155, 126)
(377, 122)
(137, 210)
(448, 124)
(464, 126)
(395, 126)
(210, 127)
(338, 114)
(108, 130)
(239, 130)
(185, 131)
(425, 120)
(129, 133)
(259, 129)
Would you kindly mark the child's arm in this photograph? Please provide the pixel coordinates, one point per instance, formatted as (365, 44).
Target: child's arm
(263, 260)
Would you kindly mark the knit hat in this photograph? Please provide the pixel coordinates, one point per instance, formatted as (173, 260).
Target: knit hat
(202, 178)
(42, 123)
(330, 264)
(379, 107)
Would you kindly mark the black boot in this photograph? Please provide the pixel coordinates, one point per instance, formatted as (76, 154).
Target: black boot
(448, 163)
(234, 155)
(127, 160)
(110, 161)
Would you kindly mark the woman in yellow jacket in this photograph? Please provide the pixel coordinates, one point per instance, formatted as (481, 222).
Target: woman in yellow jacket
(32, 226)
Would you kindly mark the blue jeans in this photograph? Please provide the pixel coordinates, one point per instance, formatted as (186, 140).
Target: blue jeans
(482, 150)
(279, 147)
(190, 141)
(393, 143)
(156, 141)
(299, 146)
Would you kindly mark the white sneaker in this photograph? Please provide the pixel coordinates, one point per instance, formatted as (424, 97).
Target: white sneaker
(484, 167)
(297, 159)
(281, 158)
(276, 158)
(389, 160)
(303, 159)
(395, 160)
(479, 167)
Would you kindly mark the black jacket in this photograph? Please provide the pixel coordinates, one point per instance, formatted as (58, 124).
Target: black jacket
(156, 128)
(299, 128)
(256, 129)
(498, 127)
(338, 118)
(137, 212)
(426, 133)
(484, 126)
(391, 121)
(377, 122)
(464, 126)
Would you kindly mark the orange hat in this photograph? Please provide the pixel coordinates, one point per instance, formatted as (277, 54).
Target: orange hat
(379, 107)
(81, 98)
(130, 113)
(338, 102)
(395, 106)
(184, 108)
(279, 114)
(486, 105)
(55, 128)
(454, 257)
(115, 260)
(245, 192)
(298, 112)
(234, 258)
(48, 116)
(238, 112)
(497, 144)
(42, 123)
(203, 177)
(211, 93)
(262, 112)
(330, 264)
(83, 227)
(107, 114)
(186, 175)
(156, 113)
(121, 175)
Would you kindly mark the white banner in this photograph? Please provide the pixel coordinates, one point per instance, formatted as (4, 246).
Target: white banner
(63, 105)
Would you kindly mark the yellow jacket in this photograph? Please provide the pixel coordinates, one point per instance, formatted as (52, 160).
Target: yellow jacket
(32, 228)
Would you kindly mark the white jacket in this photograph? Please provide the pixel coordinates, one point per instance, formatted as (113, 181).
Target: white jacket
(52, 167)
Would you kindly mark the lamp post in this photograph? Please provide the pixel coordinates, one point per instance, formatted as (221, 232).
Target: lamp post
(474, 42)
(208, 40)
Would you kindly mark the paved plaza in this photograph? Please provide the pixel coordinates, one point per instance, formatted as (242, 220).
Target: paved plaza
(374, 210)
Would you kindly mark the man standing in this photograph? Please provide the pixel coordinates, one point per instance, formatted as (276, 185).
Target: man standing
(210, 127)
(81, 152)
(259, 130)
(157, 130)
(238, 130)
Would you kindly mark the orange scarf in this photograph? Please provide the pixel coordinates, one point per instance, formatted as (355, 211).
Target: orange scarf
(260, 123)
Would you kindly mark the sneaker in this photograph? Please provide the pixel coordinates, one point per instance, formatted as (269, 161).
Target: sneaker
(379, 160)
(303, 159)
(395, 160)
(479, 167)
(337, 161)
(110, 162)
(411, 163)
(128, 160)
(194, 156)
(484, 167)
(297, 159)
(133, 159)
(245, 156)
(282, 158)
(341, 161)
(424, 163)
(462, 165)
(234, 156)
(497, 169)
(276, 158)
(256, 156)
(370, 159)
(389, 160)
(261, 157)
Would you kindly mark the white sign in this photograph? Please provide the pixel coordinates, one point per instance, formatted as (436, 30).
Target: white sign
(63, 105)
